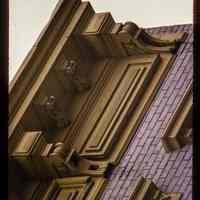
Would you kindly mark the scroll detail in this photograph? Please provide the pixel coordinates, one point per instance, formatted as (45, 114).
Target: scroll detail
(41, 159)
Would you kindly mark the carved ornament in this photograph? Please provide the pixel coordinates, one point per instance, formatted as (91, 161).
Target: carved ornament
(136, 40)
(79, 82)
(48, 106)
(41, 159)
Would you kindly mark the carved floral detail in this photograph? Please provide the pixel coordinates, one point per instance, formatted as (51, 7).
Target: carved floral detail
(70, 67)
(54, 112)
(79, 82)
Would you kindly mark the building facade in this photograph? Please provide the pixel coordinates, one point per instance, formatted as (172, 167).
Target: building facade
(102, 110)
(146, 156)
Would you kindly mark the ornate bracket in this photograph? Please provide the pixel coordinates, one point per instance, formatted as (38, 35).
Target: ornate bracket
(110, 39)
(79, 82)
(146, 189)
(136, 41)
(42, 160)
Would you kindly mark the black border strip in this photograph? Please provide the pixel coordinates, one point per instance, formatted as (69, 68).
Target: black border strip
(196, 90)
(4, 33)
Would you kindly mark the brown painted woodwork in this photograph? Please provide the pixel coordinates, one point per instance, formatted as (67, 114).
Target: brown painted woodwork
(78, 98)
(77, 188)
(178, 133)
(42, 161)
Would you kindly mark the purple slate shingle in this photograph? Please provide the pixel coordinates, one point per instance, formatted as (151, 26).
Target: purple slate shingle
(145, 156)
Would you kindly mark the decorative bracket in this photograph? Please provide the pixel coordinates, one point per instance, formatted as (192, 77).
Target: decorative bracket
(146, 189)
(110, 39)
(42, 160)
(136, 41)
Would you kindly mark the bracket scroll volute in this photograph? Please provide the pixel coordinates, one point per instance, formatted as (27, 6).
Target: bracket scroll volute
(110, 39)
(136, 40)
(43, 160)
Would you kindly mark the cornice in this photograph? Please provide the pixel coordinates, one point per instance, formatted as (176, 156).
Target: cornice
(78, 20)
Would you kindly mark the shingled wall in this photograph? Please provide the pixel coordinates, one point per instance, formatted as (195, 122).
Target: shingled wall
(145, 156)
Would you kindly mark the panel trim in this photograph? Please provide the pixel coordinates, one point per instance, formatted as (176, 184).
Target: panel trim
(131, 97)
(78, 187)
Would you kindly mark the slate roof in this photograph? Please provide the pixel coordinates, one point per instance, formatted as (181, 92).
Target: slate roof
(145, 155)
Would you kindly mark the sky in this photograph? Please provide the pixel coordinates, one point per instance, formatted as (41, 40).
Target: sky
(27, 19)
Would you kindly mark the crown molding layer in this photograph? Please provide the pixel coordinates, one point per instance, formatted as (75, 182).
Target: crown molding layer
(147, 190)
(125, 39)
(178, 133)
(77, 188)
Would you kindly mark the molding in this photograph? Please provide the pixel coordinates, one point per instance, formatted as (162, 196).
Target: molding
(136, 41)
(94, 38)
(109, 115)
(178, 133)
(91, 101)
(146, 189)
(42, 160)
(128, 112)
(35, 190)
(40, 52)
(77, 188)
(21, 95)
(126, 39)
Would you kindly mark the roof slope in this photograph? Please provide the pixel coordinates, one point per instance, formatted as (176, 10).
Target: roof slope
(145, 155)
